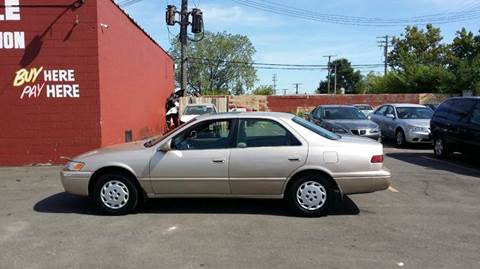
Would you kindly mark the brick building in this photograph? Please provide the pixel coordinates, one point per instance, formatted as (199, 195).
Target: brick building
(74, 76)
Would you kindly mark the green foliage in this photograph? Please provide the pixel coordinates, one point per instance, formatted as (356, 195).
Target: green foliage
(346, 78)
(422, 63)
(263, 90)
(213, 67)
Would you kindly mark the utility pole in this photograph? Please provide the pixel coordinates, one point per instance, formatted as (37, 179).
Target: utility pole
(296, 87)
(329, 71)
(197, 27)
(274, 84)
(285, 91)
(335, 87)
(384, 43)
(183, 44)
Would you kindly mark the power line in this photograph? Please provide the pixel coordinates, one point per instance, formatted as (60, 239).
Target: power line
(127, 3)
(286, 10)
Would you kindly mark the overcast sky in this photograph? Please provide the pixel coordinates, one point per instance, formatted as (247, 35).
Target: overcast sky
(282, 39)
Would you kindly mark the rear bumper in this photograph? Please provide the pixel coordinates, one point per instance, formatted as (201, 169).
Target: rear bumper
(364, 182)
(75, 182)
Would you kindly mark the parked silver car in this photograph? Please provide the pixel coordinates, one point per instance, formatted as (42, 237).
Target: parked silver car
(366, 109)
(246, 155)
(342, 119)
(405, 123)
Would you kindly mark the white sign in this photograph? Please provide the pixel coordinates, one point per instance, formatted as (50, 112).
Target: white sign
(14, 39)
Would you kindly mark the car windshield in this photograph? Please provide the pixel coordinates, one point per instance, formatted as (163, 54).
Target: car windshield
(414, 113)
(316, 129)
(364, 107)
(157, 139)
(343, 113)
(198, 110)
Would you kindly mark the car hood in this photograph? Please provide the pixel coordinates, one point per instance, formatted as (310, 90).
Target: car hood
(187, 118)
(354, 124)
(418, 123)
(118, 148)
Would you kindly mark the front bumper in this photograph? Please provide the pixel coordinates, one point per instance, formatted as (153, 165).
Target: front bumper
(364, 182)
(75, 182)
(418, 137)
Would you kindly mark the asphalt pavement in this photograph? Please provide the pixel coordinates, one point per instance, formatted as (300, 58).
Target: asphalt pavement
(429, 218)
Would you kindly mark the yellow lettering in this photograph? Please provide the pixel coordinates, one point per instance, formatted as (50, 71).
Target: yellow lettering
(24, 76)
(20, 78)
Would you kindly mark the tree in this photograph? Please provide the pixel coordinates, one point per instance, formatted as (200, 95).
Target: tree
(465, 61)
(418, 47)
(263, 90)
(220, 64)
(347, 77)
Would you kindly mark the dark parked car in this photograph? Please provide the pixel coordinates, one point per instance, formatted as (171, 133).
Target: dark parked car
(342, 119)
(456, 126)
(432, 106)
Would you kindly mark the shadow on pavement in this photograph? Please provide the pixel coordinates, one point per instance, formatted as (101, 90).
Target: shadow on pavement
(457, 163)
(65, 203)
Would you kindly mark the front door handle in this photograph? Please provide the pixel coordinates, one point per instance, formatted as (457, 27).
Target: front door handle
(218, 161)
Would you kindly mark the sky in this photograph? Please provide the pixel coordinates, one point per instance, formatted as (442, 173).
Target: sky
(283, 39)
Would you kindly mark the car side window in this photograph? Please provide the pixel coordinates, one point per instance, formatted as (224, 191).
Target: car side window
(381, 111)
(475, 118)
(205, 135)
(264, 133)
(390, 110)
(318, 113)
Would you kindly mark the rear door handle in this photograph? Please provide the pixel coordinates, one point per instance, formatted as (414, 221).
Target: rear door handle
(218, 161)
(294, 159)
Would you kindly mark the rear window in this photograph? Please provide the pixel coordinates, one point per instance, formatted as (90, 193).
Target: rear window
(316, 129)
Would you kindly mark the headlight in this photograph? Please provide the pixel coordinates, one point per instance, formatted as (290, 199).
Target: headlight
(418, 129)
(74, 166)
(375, 130)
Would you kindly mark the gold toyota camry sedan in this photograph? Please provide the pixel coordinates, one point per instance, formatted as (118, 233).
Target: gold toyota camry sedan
(232, 155)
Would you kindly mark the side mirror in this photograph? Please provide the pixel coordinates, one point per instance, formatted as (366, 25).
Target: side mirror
(390, 116)
(165, 147)
(241, 145)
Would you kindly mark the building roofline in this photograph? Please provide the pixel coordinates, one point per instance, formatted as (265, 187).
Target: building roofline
(141, 29)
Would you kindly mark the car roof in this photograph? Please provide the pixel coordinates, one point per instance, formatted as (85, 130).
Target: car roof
(405, 105)
(203, 104)
(228, 115)
(361, 105)
(335, 106)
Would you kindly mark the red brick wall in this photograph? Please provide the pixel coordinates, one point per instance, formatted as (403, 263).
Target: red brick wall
(125, 89)
(41, 129)
(291, 103)
(136, 78)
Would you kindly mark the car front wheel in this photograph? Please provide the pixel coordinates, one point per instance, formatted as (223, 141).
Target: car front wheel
(115, 194)
(440, 148)
(310, 196)
(400, 138)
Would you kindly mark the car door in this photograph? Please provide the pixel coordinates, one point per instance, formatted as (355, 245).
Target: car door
(474, 126)
(267, 152)
(378, 117)
(464, 130)
(198, 161)
(389, 124)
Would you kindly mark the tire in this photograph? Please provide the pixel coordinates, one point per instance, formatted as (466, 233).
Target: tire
(441, 150)
(400, 138)
(116, 194)
(310, 195)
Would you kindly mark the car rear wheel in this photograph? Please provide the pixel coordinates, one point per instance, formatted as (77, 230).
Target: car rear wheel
(400, 138)
(310, 196)
(440, 148)
(116, 194)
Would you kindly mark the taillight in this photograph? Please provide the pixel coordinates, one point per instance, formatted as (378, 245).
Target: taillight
(377, 159)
